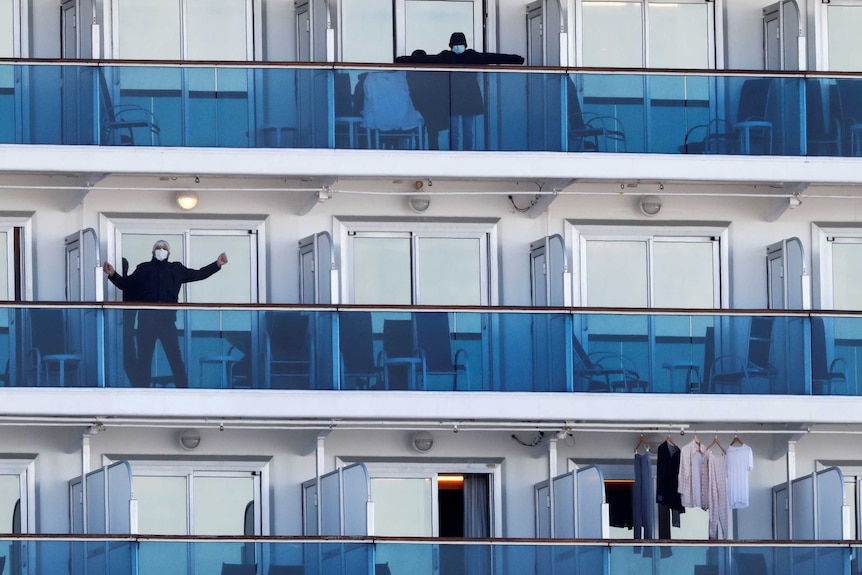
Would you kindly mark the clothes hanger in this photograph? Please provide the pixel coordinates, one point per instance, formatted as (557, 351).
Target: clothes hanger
(716, 442)
(671, 441)
(642, 441)
(736, 440)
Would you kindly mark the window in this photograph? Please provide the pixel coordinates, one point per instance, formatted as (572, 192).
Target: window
(642, 267)
(418, 263)
(646, 34)
(417, 24)
(200, 498)
(184, 30)
(844, 46)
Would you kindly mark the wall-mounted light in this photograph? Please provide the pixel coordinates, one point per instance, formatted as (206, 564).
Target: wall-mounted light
(650, 205)
(419, 204)
(190, 439)
(422, 441)
(187, 200)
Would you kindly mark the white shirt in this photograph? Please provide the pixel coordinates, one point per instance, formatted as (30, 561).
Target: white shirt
(740, 461)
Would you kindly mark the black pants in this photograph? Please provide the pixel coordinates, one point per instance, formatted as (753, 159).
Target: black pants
(159, 325)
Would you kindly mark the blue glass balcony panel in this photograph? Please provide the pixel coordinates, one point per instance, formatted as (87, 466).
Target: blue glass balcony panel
(417, 108)
(457, 350)
(301, 556)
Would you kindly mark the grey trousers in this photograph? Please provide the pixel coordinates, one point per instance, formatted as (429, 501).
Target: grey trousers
(643, 498)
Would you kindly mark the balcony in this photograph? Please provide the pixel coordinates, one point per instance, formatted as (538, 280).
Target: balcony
(389, 556)
(434, 350)
(526, 110)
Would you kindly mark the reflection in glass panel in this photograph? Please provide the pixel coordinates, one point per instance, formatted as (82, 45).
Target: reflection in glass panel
(431, 22)
(449, 271)
(678, 35)
(613, 34)
(616, 274)
(367, 31)
(149, 30)
(846, 276)
(7, 29)
(683, 275)
(382, 271)
(845, 43)
(216, 30)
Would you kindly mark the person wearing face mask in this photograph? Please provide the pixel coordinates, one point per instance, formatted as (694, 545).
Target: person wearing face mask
(159, 281)
(463, 94)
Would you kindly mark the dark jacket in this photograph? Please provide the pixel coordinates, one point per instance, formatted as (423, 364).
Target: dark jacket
(462, 88)
(160, 282)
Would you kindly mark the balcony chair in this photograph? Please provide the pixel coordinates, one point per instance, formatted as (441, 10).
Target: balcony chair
(359, 367)
(288, 351)
(238, 569)
(50, 351)
(752, 126)
(605, 371)
(400, 359)
(825, 376)
(388, 112)
(282, 570)
(120, 123)
(589, 132)
(735, 373)
(434, 343)
(823, 119)
(382, 569)
(715, 137)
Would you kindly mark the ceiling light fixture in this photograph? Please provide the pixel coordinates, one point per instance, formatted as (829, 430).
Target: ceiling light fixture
(650, 205)
(190, 439)
(187, 200)
(419, 204)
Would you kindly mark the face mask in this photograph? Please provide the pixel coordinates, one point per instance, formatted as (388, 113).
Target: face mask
(161, 255)
(459, 49)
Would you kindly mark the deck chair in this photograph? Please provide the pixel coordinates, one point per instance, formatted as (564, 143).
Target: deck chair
(589, 132)
(752, 124)
(121, 122)
(400, 360)
(605, 371)
(434, 343)
(238, 569)
(825, 375)
(715, 137)
(288, 352)
(823, 118)
(388, 112)
(50, 351)
(360, 369)
(735, 373)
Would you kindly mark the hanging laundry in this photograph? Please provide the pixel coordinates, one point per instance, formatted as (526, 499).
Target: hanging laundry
(667, 485)
(643, 497)
(689, 477)
(717, 495)
(740, 462)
